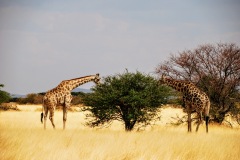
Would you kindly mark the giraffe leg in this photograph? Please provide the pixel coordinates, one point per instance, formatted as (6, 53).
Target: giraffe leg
(189, 121)
(188, 106)
(64, 116)
(68, 99)
(45, 117)
(51, 117)
(206, 113)
(199, 120)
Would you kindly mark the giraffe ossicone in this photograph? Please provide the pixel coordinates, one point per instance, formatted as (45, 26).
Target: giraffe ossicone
(193, 98)
(61, 95)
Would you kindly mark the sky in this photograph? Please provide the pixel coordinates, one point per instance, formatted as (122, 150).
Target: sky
(44, 42)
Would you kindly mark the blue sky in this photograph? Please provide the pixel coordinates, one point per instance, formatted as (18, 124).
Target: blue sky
(45, 42)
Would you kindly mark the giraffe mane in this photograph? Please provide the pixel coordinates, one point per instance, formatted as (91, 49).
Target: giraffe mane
(182, 81)
(80, 77)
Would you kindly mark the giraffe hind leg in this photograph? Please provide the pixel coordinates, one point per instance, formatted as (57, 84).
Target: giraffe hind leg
(199, 121)
(51, 117)
(52, 120)
(189, 122)
(45, 117)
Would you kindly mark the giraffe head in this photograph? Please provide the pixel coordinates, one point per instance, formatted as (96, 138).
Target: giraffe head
(162, 79)
(97, 79)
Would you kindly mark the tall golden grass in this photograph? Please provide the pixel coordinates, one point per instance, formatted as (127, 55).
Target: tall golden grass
(22, 138)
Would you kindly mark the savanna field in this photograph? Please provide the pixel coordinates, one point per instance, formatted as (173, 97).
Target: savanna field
(22, 138)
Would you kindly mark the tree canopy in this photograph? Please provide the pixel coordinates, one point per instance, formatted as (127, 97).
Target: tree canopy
(129, 97)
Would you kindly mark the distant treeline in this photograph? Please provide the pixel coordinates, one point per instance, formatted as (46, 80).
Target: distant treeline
(37, 98)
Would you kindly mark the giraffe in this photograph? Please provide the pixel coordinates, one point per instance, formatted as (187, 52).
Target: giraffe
(61, 95)
(193, 98)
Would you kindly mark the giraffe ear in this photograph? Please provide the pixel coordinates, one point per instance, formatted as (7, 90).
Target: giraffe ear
(97, 74)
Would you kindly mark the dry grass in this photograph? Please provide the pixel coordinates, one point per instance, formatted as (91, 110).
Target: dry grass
(22, 137)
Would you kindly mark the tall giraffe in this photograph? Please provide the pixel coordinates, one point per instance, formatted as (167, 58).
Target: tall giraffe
(61, 95)
(194, 99)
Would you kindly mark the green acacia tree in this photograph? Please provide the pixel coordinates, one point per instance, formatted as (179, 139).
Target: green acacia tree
(129, 97)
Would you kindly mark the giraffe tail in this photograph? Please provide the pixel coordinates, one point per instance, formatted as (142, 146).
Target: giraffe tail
(207, 119)
(42, 117)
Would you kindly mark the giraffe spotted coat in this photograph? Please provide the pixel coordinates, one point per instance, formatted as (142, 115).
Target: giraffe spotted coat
(194, 99)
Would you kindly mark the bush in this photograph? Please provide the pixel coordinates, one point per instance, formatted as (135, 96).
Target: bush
(32, 98)
(4, 96)
(129, 97)
(77, 98)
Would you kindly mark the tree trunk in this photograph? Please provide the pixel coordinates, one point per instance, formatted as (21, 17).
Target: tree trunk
(220, 114)
(129, 125)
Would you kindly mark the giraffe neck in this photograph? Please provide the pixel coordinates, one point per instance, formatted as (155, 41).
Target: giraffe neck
(74, 83)
(176, 84)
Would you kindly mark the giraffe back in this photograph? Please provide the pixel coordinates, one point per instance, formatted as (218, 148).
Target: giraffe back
(198, 99)
(58, 95)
